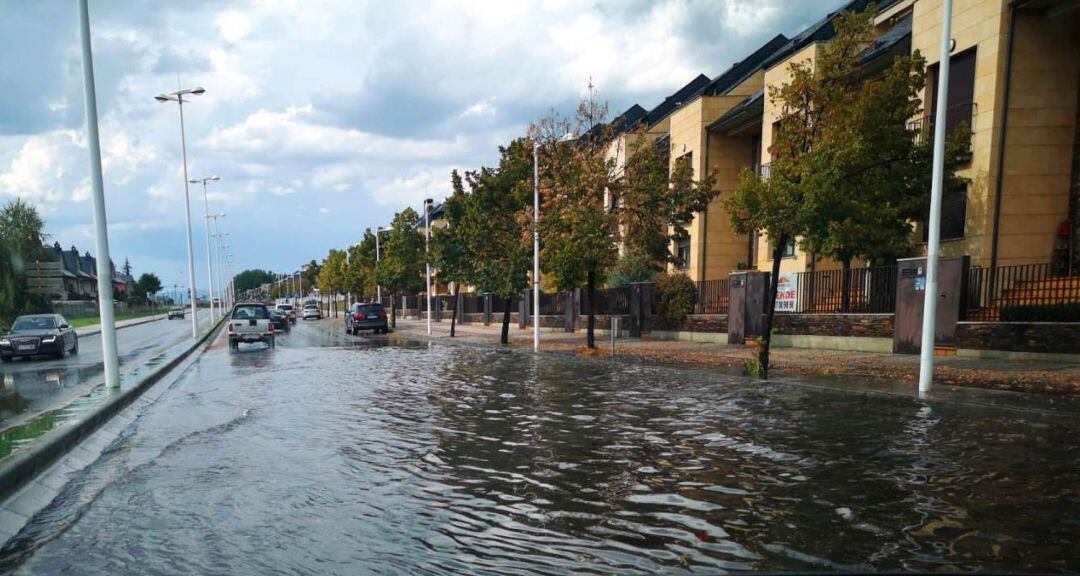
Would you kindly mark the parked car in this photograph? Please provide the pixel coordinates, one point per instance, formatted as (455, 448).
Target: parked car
(289, 310)
(250, 322)
(280, 320)
(366, 316)
(311, 311)
(176, 312)
(39, 334)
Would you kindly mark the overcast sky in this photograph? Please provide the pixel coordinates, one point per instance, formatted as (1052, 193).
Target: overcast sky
(322, 118)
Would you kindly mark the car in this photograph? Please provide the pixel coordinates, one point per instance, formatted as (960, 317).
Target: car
(35, 334)
(176, 312)
(280, 320)
(290, 310)
(311, 311)
(250, 322)
(366, 316)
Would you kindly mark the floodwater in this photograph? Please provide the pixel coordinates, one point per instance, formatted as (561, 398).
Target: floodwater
(342, 455)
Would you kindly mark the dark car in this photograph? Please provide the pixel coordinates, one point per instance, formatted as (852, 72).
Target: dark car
(280, 320)
(39, 334)
(369, 316)
(176, 312)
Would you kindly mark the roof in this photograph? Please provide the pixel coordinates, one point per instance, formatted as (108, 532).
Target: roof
(622, 123)
(740, 71)
(821, 30)
(749, 110)
(669, 104)
(437, 211)
(896, 40)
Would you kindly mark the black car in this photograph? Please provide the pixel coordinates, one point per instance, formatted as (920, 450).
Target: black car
(280, 320)
(369, 316)
(39, 334)
(176, 312)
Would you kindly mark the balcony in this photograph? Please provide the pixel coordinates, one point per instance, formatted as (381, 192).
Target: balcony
(923, 128)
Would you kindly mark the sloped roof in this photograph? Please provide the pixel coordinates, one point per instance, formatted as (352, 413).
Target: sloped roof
(896, 40)
(821, 30)
(740, 71)
(437, 211)
(669, 104)
(750, 109)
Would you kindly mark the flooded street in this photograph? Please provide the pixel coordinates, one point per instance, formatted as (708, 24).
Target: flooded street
(341, 455)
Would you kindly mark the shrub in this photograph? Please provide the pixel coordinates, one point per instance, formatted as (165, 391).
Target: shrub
(676, 296)
(1067, 312)
(632, 267)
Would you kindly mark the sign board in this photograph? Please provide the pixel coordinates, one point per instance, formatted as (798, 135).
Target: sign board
(787, 293)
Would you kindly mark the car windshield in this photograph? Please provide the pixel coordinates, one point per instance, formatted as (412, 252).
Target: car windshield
(35, 323)
(285, 307)
(368, 308)
(250, 313)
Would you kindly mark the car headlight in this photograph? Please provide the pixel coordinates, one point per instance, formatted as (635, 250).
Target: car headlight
(48, 339)
(5, 342)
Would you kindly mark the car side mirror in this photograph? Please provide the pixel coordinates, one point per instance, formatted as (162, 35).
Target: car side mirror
(64, 326)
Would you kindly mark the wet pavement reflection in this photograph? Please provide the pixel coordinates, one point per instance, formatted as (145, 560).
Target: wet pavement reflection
(340, 455)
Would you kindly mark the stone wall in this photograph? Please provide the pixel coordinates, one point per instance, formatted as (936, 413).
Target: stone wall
(863, 325)
(1044, 337)
(713, 323)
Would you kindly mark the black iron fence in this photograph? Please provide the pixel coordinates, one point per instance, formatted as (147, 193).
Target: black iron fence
(712, 297)
(1022, 292)
(609, 301)
(851, 291)
(553, 304)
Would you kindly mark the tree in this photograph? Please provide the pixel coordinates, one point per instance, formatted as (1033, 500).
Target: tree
(252, 278)
(147, 285)
(451, 253)
(310, 275)
(126, 268)
(846, 176)
(401, 268)
(577, 230)
(360, 271)
(655, 204)
(331, 278)
(500, 248)
(22, 231)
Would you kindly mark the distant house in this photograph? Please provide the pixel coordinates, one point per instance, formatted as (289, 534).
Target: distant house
(68, 275)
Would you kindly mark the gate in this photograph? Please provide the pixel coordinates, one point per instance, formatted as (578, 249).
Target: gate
(911, 295)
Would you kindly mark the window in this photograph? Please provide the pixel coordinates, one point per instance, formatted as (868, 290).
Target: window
(953, 217)
(684, 254)
(961, 90)
(789, 249)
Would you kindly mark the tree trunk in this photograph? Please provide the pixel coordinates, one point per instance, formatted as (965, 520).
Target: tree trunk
(506, 322)
(770, 306)
(590, 336)
(457, 302)
(393, 311)
(845, 285)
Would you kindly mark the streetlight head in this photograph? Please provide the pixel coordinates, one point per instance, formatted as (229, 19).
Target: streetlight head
(428, 201)
(162, 98)
(193, 181)
(198, 90)
(214, 178)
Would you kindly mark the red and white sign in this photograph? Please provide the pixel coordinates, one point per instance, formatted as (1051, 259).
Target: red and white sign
(787, 292)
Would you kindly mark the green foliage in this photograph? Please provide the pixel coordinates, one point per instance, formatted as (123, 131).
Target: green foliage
(452, 252)
(754, 368)
(359, 271)
(654, 207)
(676, 296)
(22, 232)
(147, 284)
(1065, 312)
(252, 278)
(401, 269)
(332, 273)
(632, 267)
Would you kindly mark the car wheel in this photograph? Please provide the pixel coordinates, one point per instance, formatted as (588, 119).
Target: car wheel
(75, 348)
(270, 342)
(62, 353)
(6, 357)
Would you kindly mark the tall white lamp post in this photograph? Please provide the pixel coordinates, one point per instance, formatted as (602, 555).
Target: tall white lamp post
(209, 253)
(427, 258)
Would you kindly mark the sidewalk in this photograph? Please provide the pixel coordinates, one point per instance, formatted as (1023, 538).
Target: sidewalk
(1016, 375)
(96, 328)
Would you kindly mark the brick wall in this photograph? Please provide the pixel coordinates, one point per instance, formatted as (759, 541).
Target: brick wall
(866, 325)
(1052, 337)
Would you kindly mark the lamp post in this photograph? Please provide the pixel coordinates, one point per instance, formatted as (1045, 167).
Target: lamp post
(101, 232)
(930, 296)
(427, 259)
(536, 238)
(378, 256)
(209, 254)
(178, 97)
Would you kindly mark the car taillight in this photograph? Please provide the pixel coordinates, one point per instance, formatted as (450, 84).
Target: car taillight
(230, 328)
(270, 328)
(357, 316)
(382, 313)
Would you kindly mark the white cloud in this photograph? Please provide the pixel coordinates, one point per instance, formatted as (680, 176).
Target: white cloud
(233, 26)
(44, 167)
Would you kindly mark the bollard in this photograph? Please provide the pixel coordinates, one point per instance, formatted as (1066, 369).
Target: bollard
(614, 332)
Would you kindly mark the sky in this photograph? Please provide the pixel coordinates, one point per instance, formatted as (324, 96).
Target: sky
(321, 117)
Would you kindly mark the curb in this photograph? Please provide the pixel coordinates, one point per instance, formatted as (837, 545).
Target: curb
(137, 322)
(24, 466)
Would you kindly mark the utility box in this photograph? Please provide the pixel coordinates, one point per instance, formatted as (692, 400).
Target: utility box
(746, 305)
(911, 297)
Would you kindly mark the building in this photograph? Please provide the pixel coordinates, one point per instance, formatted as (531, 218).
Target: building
(68, 275)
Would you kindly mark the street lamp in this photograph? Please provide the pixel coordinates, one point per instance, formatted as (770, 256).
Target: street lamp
(111, 362)
(209, 256)
(427, 258)
(178, 97)
(536, 238)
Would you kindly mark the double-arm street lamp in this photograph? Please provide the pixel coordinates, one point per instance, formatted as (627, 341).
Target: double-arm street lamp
(178, 97)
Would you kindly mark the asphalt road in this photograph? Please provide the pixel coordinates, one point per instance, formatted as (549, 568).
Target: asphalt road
(29, 386)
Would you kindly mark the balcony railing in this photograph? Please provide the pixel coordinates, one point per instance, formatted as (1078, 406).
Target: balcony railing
(764, 171)
(923, 128)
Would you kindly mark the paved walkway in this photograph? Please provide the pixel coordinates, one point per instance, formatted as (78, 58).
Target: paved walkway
(1026, 375)
(96, 328)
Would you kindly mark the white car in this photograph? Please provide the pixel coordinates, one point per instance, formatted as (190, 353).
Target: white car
(311, 311)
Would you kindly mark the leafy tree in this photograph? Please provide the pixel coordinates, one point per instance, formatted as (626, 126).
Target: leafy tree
(632, 266)
(501, 247)
(331, 278)
(451, 252)
(360, 272)
(654, 205)
(310, 275)
(401, 268)
(847, 175)
(22, 231)
(676, 296)
(252, 278)
(577, 229)
(147, 284)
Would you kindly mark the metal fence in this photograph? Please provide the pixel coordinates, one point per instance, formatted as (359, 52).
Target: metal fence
(500, 304)
(851, 291)
(1016, 292)
(712, 297)
(552, 304)
(609, 301)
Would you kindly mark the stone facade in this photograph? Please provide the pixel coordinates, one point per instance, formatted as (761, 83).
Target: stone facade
(1045, 337)
(860, 325)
